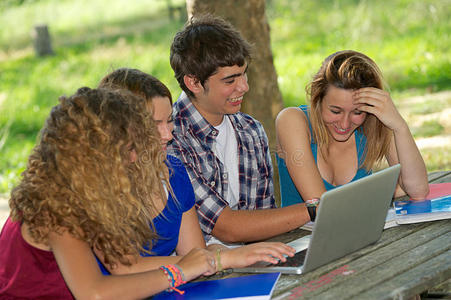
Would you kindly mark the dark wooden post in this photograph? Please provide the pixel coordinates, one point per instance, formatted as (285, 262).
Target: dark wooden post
(174, 9)
(42, 41)
(171, 9)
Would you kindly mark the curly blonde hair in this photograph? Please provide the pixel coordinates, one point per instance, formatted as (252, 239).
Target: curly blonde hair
(349, 69)
(80, 178)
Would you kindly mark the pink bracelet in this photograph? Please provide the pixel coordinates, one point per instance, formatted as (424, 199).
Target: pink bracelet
(311, 205)
(312, 202)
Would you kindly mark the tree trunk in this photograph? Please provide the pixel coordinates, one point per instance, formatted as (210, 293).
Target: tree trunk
(264, 100)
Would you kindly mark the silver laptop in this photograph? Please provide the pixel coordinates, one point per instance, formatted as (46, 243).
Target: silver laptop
(349, 218)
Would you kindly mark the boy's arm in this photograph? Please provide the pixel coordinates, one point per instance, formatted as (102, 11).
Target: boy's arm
(216, 217)
(254, 225)
(260, 224)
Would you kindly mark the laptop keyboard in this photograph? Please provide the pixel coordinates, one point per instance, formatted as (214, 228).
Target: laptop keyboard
(295, 261)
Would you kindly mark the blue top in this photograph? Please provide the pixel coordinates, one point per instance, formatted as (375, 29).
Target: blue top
(288, 191)
(167, 223)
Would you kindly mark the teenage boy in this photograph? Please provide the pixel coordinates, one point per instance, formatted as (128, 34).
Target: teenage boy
(225, 151)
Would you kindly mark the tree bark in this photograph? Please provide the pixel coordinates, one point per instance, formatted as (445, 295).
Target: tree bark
(264, 100)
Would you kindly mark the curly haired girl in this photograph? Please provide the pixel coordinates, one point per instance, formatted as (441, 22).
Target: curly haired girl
(94, 182)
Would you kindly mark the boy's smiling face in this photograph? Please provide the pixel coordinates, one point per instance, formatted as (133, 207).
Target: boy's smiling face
(222, 93)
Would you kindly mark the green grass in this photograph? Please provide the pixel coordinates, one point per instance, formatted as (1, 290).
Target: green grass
(72, 20)
(428, 129)
(439, 157)
(410, 40)
(428, 107)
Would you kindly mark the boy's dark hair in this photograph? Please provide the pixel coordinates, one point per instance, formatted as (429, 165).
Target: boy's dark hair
(206, 43)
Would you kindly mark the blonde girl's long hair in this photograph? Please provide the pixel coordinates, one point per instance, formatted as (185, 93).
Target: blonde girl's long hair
(349, 70)
(80, 178)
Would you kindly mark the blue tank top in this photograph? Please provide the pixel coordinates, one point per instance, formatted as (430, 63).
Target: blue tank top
(288, 191)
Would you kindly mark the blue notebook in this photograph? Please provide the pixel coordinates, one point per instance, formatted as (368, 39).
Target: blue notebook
(259, 286)
(422, 211)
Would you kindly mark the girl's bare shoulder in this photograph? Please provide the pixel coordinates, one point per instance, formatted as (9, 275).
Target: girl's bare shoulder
(291, 118)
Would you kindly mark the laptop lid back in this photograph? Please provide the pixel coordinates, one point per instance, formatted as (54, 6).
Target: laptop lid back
(351, 217)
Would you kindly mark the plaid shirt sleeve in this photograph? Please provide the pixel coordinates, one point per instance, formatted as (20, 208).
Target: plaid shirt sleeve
(204, 178)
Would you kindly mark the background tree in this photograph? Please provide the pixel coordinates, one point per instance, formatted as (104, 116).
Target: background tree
(264, 100)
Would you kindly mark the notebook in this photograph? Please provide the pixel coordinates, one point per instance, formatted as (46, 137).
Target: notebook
(349, 218)
(255, 287)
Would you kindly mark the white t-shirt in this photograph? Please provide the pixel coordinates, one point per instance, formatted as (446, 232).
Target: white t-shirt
(226, 149)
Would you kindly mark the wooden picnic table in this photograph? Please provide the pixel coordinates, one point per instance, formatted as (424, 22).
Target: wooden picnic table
(406, 261)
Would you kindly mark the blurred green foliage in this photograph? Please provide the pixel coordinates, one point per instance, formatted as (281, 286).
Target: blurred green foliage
(10, 3)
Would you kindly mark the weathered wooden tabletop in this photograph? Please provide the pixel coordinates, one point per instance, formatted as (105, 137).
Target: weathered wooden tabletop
(407, 260)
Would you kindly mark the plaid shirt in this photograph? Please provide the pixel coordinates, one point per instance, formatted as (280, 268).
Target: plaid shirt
(193, 144)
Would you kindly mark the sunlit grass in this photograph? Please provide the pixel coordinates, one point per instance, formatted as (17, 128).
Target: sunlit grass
(437, 158)
(427, 129)
(409, 40)
(73, 18)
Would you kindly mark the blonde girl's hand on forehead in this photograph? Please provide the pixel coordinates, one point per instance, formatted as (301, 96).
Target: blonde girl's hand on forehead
(379, 103)
(403, 150)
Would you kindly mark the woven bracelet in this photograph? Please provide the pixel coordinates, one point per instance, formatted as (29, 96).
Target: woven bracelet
(218, 260)
(175, 277)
